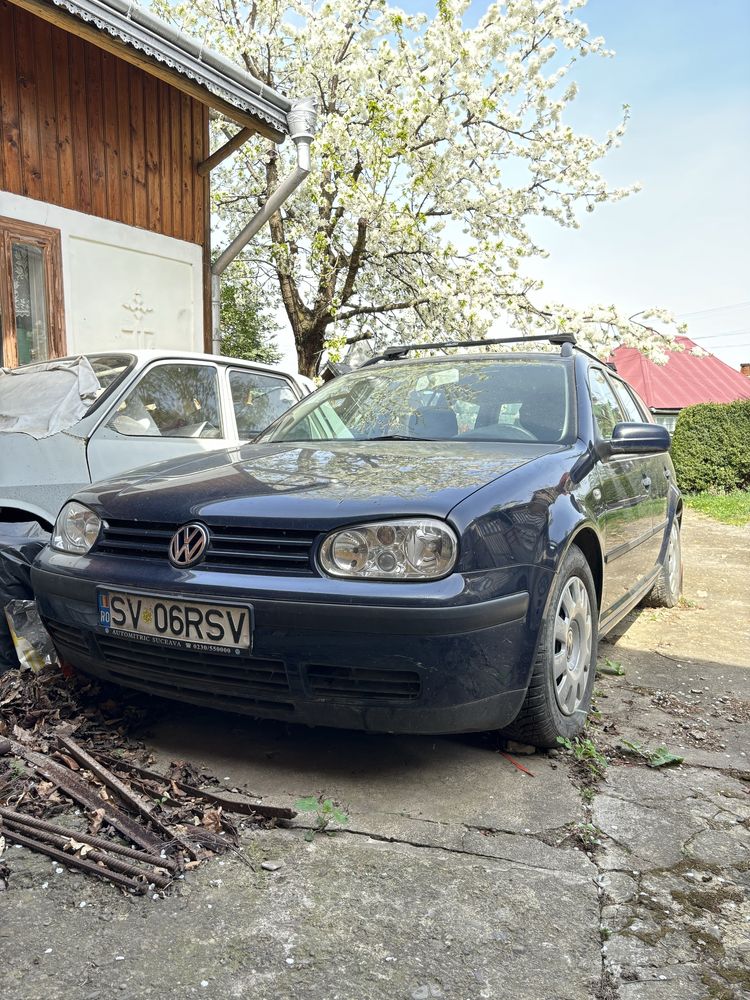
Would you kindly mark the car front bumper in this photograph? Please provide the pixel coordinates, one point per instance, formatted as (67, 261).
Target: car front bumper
(449, 656)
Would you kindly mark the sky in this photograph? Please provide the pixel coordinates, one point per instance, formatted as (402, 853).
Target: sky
(683, 242)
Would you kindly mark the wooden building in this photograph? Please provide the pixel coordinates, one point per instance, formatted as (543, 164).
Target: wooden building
(105, 173)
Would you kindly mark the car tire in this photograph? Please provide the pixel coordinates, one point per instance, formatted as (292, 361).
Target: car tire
(667, 590)
(562, 676)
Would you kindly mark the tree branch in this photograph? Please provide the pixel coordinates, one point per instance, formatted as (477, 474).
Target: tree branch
(388, 307)
(355, 260)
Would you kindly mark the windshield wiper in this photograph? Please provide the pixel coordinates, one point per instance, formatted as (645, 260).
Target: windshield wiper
(396, 437)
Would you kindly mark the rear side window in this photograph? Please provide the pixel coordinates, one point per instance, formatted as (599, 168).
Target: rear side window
(629, 405)
(607, 409)
(175, 400)
(258, 400)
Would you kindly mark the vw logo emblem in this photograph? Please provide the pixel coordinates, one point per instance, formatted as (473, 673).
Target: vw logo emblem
(188, 545)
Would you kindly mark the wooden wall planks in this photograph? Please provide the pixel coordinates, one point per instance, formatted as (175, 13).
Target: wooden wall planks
(82, 129)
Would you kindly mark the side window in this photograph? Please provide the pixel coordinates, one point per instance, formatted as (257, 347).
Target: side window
(629, 405)
(607, 410)
(258, 400)
(646, 414)
(176, 400)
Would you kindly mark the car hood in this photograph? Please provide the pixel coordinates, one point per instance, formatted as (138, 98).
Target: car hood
(319, 483)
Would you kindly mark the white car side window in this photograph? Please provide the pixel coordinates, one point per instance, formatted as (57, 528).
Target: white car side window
(258, 400)
(176, 400)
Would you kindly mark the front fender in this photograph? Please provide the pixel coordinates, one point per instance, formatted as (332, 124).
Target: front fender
(528, 520)
(527, 517)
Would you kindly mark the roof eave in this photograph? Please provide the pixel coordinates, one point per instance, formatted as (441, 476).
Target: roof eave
(141, 38)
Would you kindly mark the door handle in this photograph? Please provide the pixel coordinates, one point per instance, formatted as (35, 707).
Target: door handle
(646, 482)
(667, 474)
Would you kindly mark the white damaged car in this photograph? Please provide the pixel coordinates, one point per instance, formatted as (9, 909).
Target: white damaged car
(73, 421)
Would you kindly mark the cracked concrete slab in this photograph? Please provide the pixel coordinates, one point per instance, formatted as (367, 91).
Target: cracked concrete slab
(675, 897)
(524, 851)
(652, 817)
(445, 780)
(343, 917)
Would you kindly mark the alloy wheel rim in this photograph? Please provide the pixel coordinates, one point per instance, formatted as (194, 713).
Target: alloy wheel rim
(674, 559)
(572, 646)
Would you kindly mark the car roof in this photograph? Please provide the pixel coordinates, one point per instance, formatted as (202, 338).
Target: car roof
(144, 355)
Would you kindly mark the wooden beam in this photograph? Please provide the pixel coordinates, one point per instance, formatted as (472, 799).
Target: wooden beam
(82, 29)
(229, 147)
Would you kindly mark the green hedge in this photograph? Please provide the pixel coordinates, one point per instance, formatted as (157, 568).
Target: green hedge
(711, 446)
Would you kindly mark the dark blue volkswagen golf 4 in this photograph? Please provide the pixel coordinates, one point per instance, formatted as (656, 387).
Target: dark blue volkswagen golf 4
(429, 544)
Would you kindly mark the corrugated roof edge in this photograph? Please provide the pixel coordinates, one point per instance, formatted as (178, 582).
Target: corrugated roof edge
(138, 28)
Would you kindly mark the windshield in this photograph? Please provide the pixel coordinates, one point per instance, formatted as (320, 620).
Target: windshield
(486, 399)
(109, 368)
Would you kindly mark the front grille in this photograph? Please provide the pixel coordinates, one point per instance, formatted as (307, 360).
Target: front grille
(226, 680)
(232, 547)
(363, 683)
(73, 639)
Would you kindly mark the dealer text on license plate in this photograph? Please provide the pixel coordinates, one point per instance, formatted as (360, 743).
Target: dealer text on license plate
(175, 623)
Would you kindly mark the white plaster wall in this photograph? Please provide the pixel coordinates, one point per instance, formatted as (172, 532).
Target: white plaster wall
(124, 287)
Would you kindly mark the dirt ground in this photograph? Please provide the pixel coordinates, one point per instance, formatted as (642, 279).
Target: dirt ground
(458, 875)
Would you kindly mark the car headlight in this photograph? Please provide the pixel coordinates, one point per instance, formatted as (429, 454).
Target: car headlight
(76, 529)
(410, 549)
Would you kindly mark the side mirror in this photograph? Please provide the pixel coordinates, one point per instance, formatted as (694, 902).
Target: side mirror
(639, 439)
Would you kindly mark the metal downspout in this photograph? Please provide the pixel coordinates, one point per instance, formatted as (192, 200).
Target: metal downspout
(301, 120)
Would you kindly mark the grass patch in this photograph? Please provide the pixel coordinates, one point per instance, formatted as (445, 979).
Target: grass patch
(586, 754)
(729, 508)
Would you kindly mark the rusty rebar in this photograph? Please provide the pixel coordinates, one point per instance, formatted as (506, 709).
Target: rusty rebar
(87, 838)
(227, 804)
(77, 788)
(62, 841)
(120, 788)
(139, 886)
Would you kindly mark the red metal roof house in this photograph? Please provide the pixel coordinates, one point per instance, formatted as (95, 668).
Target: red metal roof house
(690, 376)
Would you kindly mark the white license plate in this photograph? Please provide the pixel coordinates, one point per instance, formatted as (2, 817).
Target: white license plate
(175, 623)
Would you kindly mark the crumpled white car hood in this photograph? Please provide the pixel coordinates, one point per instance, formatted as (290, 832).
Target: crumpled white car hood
(41, 400)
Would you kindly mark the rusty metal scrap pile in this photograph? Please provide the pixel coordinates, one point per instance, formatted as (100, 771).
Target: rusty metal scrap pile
(76, 787)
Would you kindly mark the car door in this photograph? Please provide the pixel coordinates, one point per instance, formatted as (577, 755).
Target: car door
(658, 465)
(173, 409)
(258, 398)
(625, 516)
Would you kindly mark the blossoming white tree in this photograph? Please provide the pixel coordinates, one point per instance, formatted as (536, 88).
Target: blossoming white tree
(438, 144)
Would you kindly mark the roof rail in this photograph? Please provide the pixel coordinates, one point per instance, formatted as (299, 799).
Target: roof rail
(400, 350)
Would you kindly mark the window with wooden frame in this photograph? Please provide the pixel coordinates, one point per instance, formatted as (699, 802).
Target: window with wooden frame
(32, 314)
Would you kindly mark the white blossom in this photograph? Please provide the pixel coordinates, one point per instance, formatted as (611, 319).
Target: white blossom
(438, 145)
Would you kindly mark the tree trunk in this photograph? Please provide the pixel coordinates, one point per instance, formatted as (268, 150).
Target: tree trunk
(309, 340)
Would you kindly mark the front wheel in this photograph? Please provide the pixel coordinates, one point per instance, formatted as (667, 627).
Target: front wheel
(562, 677)
(667, 590)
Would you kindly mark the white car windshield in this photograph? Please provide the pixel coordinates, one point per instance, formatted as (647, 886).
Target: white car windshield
(483, 398)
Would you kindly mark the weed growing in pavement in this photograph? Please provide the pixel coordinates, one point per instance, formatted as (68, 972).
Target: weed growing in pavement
(595, 715)
(326, 812)
(610, 667)
(585, 752)
(588, 835)
(686, 604)
(659, 757)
